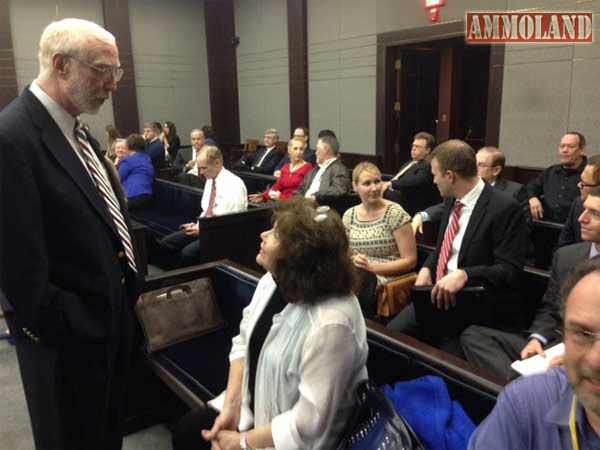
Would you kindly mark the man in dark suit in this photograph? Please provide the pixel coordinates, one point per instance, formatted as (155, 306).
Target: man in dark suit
(331, 178)
(308, 155)
(185, 160)
(589, 179)
(67, 265)
(412, 186)
(481, 241)
(495, 350)
(264, 159)
(490, 164)
(154, 146)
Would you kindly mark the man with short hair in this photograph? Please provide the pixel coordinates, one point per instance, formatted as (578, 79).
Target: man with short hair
(224, 193)
(494, 349)
(554, 190)
(589, 179)
(265, 158)
(68, 266)
(330, 179)
(490, 164)
(185, 160)
(482, 241)
(154, 146)
(559, 409)
(308, 156)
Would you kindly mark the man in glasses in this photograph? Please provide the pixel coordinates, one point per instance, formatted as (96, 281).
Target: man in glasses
(494, 349)
(552, 192)
(589, 179)
(559, 409)
(68, 267)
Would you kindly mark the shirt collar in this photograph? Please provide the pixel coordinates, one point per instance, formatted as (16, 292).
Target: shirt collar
(471, 197)
(64, 120)
(594, 251)
(326, 164)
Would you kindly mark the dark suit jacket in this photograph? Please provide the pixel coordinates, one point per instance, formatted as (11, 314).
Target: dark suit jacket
(335, 182)
(571, 233)
(156, 151)
(418, 175)
(547, 317)
(184, 155)
(267, 167)
(414, 190)
(492, 253)
(516, 190)
(61, 266)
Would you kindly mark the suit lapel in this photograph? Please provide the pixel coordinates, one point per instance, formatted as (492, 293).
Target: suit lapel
(477, 215)
(55, 143)
(500, 184)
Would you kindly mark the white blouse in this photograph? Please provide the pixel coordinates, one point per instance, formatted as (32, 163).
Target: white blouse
(312, 359)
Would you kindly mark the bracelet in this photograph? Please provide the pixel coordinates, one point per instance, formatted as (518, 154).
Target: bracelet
(244, 441)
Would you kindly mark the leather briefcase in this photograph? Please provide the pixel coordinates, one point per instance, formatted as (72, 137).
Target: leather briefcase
(178, 313)
(393, 296)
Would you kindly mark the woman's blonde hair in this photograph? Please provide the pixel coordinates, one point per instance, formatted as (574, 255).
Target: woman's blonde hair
(364, 166)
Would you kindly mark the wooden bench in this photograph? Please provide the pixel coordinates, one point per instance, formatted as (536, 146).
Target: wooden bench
(544, 236)
(196, 371)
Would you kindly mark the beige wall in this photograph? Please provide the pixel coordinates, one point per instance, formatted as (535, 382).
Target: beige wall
(169, 53)
(262, 67)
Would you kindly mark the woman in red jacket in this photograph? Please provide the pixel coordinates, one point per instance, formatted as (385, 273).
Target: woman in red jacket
(291, 176)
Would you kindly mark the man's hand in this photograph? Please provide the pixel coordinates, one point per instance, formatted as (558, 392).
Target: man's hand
(417, 224)
(191, 229)
(533, 347)
(256, 198)
(444, 292)
(424, 277)
(190, 164)
(385, 185)
(535, 206)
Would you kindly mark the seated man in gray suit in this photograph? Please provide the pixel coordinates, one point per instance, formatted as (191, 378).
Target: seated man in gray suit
(185, 160)
(490, 164)
(494, 349)
(331, 178)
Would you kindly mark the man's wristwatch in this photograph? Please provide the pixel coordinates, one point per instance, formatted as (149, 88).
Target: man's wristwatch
(244, 442)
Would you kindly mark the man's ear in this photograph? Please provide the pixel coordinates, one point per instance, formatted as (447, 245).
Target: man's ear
(61, 64)
(496, 170)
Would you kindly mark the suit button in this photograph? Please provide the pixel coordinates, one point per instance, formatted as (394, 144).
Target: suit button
(121, 255)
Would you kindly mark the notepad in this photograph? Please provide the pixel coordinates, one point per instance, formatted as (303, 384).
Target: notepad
(537, 363)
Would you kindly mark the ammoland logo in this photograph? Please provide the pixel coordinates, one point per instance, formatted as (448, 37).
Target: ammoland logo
(497, 27)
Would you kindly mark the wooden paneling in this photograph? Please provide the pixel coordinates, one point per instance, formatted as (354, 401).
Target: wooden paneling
(298, 63)
(494, 105)
(8, 73)
(449, 92)
(125, 107)
(222, 69)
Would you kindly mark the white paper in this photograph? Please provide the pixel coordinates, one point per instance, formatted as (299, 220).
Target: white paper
(537, 363)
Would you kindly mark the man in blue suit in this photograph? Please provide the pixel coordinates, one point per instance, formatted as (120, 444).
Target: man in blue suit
(154, 146)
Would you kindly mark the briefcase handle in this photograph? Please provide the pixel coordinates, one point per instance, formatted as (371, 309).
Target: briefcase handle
(169, 293)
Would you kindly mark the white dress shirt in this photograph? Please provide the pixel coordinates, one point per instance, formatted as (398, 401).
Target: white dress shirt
(194, 169)
(468, 200)
(231, 196)
(312, 359)
(66, 124)
(316, 182)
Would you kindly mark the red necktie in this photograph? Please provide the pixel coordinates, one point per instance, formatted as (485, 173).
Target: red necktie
(448, 240)
(106, 192)
(211, 200)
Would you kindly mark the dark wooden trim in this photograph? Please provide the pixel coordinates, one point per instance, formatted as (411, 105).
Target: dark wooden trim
(449, 92)
(494, 105)
(392, 39)
(222, 69)
(125, 106)
(8, 73)
(298, 63)
(350, 160)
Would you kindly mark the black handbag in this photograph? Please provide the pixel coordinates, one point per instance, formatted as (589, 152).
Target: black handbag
(374, 424)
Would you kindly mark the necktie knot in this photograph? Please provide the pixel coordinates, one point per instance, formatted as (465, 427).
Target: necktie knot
(458, 206)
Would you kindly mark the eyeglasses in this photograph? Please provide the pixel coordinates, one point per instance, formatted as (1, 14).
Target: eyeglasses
(581, 184)
(579, 337)
(115, 72)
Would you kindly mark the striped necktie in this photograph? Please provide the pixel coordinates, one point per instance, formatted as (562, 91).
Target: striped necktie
(449, 236)
(106, 192)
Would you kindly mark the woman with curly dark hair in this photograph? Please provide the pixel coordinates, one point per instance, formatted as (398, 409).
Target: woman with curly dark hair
(302, 346)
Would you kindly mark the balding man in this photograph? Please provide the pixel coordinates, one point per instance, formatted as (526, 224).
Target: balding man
(67, 263)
